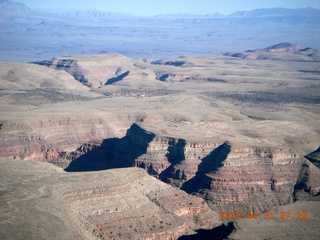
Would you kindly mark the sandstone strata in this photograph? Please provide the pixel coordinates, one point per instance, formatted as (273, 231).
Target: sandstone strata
(99, 70)
(48, 139)
(116, 204)
(237, 143)
(229, 178)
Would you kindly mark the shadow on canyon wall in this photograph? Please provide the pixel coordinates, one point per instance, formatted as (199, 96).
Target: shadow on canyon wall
(218, 233)
(95, 157)
(209, 164)
(112, 152)
(119, 153)
(117, 79)
(314, 157)
(175, 156)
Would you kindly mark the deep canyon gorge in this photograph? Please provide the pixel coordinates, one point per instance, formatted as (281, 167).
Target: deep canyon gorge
(157, 149)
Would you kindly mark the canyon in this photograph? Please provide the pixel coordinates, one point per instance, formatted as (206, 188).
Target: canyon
(109, 147)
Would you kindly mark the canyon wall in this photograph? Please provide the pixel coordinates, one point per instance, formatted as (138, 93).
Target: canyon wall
(226, 176)
(99, 70)
(229, 178)
(50, 139)
(133, 205)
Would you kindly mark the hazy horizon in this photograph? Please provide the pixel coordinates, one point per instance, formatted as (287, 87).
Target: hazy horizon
(150, 8)
(31, 36)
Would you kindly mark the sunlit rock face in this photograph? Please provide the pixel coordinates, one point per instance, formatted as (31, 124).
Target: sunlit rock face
(99, 70)
(227, 178)
(48, 139)
(122, 203)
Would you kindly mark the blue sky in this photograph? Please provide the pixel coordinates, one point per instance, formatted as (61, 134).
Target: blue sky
(153, 7)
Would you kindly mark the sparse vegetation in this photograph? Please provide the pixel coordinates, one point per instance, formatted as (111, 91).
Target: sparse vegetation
(44, 96)
(218, 127)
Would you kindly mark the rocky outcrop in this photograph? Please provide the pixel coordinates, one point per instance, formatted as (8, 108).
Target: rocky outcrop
(314, 157)
(226, 176)
(51, 138)
(30, 77)
(69, 65)
(250, 178)
(283, 47)
(115, 204)
(187, 77)
(280, 51)
(308, 183)
(137, 207)
(229, 178)
(176, 63)
(98, 70)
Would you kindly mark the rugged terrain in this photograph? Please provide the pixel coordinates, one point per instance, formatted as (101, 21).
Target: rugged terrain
(40, 201)
(236, 133)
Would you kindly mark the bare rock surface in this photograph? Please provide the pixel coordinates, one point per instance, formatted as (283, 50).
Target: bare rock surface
(314, 157)
(23, 76)
(229, 178)
(40, 201)
(99, 70)
(233, 131)
(284, 51)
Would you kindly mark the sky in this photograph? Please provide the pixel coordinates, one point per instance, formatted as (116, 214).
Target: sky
(154, 7)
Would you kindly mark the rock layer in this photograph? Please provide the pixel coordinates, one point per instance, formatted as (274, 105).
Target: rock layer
(99, 70)
(49, 139)
(115, 204)
(235, 134)
(229, 178)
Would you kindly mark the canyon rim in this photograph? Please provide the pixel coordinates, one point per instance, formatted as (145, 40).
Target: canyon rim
(106, 134)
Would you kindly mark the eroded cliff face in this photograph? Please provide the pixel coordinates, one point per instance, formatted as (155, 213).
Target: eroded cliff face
(308, 183)
(115, 204)
(250, 178)
(314, 157)
(49, 139)
(228, 177)
(138, 207)
(99, 70)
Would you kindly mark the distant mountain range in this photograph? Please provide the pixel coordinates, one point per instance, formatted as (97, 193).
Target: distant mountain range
(10, 8)
(30, 35)
(278, 12)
